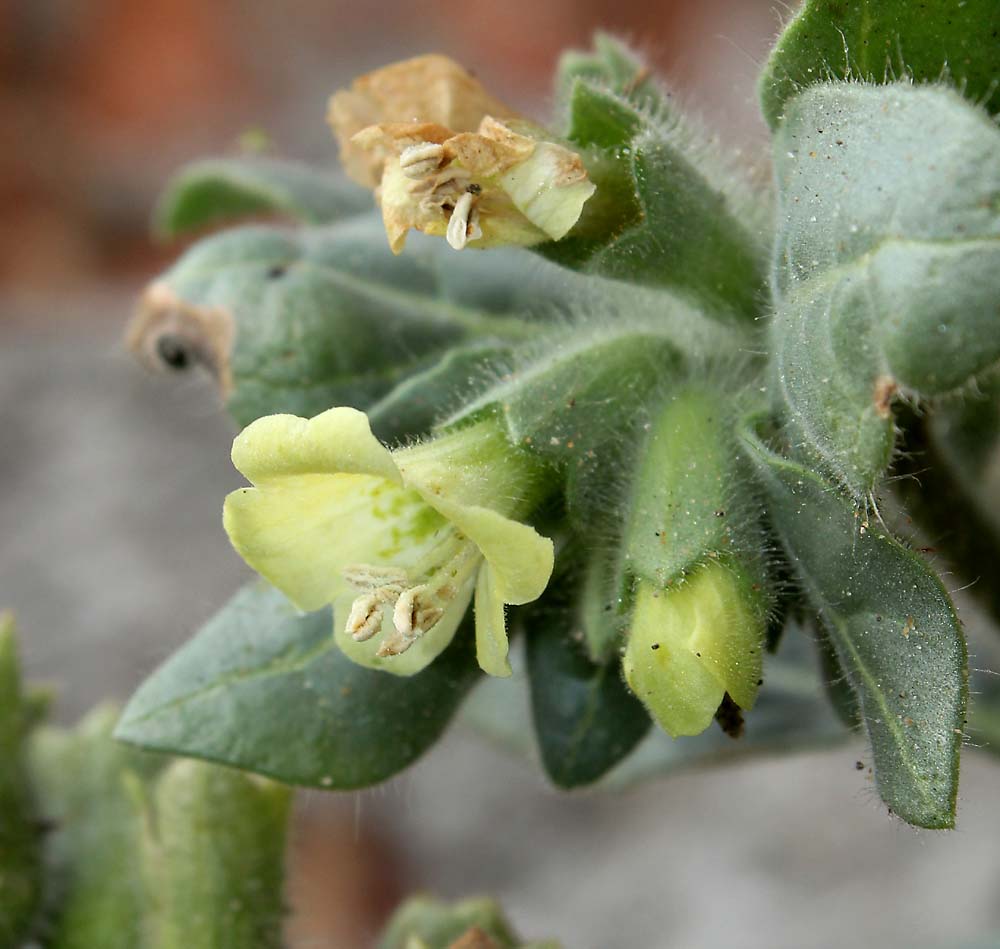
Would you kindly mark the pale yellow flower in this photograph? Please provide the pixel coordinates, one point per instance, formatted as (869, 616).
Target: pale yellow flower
(692, 643)
(399, 542)
(446, 158)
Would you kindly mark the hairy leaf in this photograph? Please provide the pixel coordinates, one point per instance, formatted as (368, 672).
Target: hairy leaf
(887, 267)
(299, 321)
(894, 631)
(883, 40)
(585, 718)
(264, 688)
(214, 190)
(665, 213)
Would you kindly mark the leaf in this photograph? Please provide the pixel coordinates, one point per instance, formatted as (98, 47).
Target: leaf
(894, 631)
(666, 213)
(418, 402)
(215, 858)
(213, 190)
(882, 40)
(887, 267)
(585, 718)
(20, 827)
(264, 688)
(299, 321)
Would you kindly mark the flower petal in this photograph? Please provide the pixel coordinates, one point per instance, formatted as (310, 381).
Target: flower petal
(520, 558)
(420, 655)
(491, 630)
(301, 531)
(338, 440)
(679, 687)
(429, 88)
(549, 188)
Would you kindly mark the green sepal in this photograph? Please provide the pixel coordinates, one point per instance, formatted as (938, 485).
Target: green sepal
(86, 784)
(585, 718)
(882, 40)
(603, 602)
(666, 213)
(264, 688)
(423, 922)
(893, 628)
(214, 859)
(216, 190)
(691, 499)
(887, 265)
(611, 65)
(20, 823)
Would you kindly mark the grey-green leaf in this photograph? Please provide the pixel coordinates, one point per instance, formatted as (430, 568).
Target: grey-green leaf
(264, 688)
(585, 718)
(666, 213)
(299, 321)
(887, 266)
(882, 40)
(894, 630)
(215, 190)
(414, 406)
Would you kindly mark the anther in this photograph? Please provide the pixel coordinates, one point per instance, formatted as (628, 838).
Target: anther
(365, 619)
(458, 226)
(419, 161)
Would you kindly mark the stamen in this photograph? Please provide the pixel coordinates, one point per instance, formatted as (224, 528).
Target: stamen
(364, 576)
(419, 161)
(458, 227)
(365, 619)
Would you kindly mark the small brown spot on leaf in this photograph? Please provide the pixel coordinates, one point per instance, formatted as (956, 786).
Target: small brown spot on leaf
(885, 390)
(170, 333)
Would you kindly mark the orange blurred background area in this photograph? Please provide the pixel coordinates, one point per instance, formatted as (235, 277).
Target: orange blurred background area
(101, 99)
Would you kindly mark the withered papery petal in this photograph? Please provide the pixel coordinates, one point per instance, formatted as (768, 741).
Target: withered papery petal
(426, 89)
(490, 150)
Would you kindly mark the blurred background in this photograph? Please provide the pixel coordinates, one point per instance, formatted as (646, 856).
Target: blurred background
(111, 483)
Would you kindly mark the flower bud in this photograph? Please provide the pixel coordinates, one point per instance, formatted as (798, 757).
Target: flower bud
(694, 567)
(691, 645)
